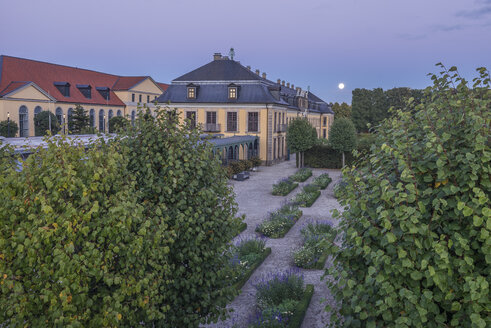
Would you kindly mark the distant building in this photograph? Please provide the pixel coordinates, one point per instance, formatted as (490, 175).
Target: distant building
(28, 87)
(227, 98)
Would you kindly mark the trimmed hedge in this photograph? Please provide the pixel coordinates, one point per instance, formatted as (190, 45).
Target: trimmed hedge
(299, 314)
(302, 175)
(291, 186)
(323, 156)
(239, 284)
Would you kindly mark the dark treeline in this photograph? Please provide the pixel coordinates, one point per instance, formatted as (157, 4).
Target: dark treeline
(372, 106)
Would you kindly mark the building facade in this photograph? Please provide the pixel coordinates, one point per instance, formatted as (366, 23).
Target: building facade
(228, 99)
(28, 87)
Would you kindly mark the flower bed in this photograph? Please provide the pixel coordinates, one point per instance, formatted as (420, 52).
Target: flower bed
(302, 175)
(318, 237)
(284, 187)
(281, 300)
(308, 196)
(248, 254)
(322, 181)
(280, 221)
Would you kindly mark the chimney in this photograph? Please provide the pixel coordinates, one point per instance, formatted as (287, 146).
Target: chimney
(278, 81)
(287, 84)
(249, 68)
(283, 83)
(217, 56)
(257, 72)
(264, 75)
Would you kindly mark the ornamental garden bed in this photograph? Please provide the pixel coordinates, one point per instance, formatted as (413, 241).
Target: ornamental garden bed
(280, 221)
(302, 175)
(318, 237)
(322, 181)
(284, 187)
(308, 196)
(248, 255)
(281, 300)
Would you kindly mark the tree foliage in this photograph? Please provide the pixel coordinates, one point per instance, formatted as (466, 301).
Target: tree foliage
(8, 129)
(372, 106)
(300, 136)
(79, 121)
(342, 136)
(190, 210)
(71, 241)
(342, 110)
(416, 225)
(42, 123)
(118, 124)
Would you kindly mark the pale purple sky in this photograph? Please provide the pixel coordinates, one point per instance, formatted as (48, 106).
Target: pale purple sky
(316, 43)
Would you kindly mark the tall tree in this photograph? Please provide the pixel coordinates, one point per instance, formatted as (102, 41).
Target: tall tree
(79, 121)
(300, 136)
(341, 110)
(342, 136)
(361, 106)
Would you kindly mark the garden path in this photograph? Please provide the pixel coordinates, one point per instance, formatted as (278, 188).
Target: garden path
(255, 201)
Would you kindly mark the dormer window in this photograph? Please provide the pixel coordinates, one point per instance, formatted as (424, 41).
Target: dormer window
(191, 92)
(86, 90)
(63, 87)
(232, 91)
(104, 91)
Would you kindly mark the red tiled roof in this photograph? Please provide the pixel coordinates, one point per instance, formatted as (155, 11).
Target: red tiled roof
(126, 82)
(43, 74)
(11, 87)
(163, 86)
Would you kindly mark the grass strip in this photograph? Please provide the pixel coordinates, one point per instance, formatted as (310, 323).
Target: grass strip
(293, 186)
(239, 284)
(299, 314)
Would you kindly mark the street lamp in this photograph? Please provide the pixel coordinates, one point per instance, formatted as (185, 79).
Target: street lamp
(104, 125)
(64, 123)
(8, 124)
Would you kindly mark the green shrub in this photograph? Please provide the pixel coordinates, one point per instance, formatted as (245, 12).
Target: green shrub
(416, 225)
(280, 221)
(284, 187)
(191, 212)
(318, 239)
(256, 161)
(42, 123)
(277, 298)
(365, 141)
(8, 129)
(247, 255)
(72, 241)
(322, 181)
(118, 124)
(308, 196)
(323, 156)
(302, 174)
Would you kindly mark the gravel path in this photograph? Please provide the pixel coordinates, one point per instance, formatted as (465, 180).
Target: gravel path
(255, 201)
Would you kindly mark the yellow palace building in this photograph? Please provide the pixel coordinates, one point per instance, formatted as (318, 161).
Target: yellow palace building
(28, 87)
(231, 101)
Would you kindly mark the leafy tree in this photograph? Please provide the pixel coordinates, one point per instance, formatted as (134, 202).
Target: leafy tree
(300, 137)
(8, 129)
(342, 136)
(42, 123)
(74, 248)
(118, 124)
(190, 210)
(341, 110)
(416, 226)
(79, 121)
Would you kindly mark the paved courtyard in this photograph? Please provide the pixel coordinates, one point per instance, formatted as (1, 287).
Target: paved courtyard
(255, 201)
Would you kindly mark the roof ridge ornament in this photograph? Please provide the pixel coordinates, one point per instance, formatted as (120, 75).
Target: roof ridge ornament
(231, 53)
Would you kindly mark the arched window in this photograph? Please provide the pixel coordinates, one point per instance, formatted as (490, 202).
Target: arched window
(119, 112)
(236, 153)
(101, 120)
(70, 119)
(92, 118)
(110, 114)
(37, 110)
(59, 115)
(230, 153)
(133, 114)
(23, 121)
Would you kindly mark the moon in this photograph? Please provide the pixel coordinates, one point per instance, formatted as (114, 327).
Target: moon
(341, 86)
